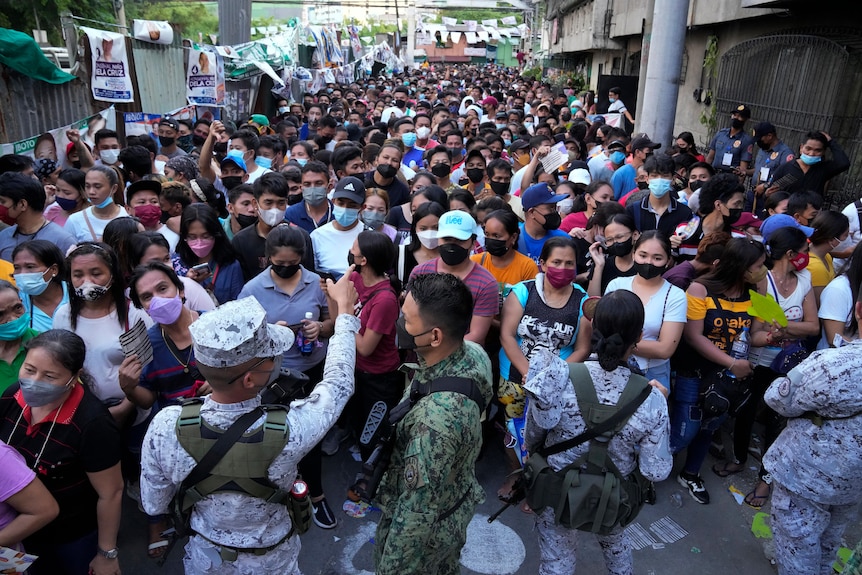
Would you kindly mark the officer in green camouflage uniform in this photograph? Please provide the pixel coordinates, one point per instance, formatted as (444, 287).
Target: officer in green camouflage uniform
(430, 490)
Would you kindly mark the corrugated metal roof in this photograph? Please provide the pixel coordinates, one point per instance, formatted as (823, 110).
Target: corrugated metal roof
(29, 107)
(161, 76)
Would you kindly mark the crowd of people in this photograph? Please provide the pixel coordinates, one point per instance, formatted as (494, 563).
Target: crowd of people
(412, 218)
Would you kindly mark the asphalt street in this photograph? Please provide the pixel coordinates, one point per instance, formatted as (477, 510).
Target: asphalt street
(714, 539)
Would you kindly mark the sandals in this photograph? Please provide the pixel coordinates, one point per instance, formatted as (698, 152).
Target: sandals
(754, 499)
(725, 469)
(158, 550)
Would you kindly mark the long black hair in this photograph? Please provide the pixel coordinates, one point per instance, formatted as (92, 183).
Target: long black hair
(380, 252)
(426, 209)
(222, 251)
(739, 255)
(117, 290)
(47, 253)
(853, 271)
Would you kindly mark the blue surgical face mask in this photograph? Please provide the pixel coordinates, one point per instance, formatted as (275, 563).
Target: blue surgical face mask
(507, 142)
(265, 163)
(809, 160)
(301, 161)
(500, 126)
(345, 216)
(618, 157)
(408, 139)
(106, 202)
(33, 284)
(15, 329)
(659, 187)
(612, 100)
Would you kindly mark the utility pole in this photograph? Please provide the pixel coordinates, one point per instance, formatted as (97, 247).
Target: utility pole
(661, 89)
(234, 27)
(120, 9)
(645, 48)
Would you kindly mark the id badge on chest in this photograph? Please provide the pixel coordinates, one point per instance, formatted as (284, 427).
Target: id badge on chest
(727, 159)
(764, 174)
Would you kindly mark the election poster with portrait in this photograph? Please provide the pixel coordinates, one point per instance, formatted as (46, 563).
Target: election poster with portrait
(205, 78)
(110, 77)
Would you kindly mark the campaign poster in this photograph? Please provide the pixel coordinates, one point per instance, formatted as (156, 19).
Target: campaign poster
(205, 78)
(110, 79)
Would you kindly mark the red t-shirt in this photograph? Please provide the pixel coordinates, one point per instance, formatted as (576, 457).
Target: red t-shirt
(378, 311)
(574, 220)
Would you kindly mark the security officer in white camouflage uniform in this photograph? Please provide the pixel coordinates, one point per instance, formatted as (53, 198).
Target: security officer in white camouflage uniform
(236, 351)
(816, 463)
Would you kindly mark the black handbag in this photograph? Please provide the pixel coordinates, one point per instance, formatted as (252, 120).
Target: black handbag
(724, 393)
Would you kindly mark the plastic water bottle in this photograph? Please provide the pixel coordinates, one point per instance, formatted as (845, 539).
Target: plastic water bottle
(740, 346)
(305, 346)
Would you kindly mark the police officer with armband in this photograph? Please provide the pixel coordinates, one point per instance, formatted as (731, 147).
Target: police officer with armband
(429, 492)
(238, 526)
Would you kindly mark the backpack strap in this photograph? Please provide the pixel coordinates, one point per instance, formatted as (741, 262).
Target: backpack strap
(632, 397)
(858, 204)
(462, 385)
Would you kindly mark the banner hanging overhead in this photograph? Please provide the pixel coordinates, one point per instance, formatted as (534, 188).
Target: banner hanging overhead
(110, 79)
(154, 31)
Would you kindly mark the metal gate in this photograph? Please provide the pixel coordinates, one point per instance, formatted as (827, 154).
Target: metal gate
(799, 83)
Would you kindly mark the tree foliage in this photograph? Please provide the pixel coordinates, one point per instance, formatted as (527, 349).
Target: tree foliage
(23, 16)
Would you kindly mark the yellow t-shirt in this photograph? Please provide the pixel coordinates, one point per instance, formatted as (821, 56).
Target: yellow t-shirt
(821, 274)
(521, 269)
(6, 271)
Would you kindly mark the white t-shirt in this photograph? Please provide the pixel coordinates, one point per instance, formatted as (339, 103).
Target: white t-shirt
(617, 107)
(836, 304)
(197, 298)
(252, 176)
(667, 304)
(515, 184)
(331, 247)
(792, 307)
(77, 224)
(855, 233)
(104, 354)
(172, 237)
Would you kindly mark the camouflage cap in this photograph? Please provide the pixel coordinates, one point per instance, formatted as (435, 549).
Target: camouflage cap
(236, 332)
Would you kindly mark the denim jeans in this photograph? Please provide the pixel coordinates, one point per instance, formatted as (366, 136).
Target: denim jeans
(687, 414)
(660, 372)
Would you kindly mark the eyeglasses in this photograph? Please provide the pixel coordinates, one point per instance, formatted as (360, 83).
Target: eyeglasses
(253, 369)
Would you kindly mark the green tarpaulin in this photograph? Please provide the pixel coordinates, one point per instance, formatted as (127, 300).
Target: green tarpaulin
(20, 52)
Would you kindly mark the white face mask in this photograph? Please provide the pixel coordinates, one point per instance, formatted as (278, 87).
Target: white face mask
(160, 166)
(428, 238)
(845, 244)
(109, 157)
(271, 217)
(423, 132)
(565, 206)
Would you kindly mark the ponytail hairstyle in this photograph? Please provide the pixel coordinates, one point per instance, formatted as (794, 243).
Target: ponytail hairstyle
(617, 326)
(781, 241)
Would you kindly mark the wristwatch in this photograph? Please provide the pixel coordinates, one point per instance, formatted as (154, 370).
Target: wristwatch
(110, 553)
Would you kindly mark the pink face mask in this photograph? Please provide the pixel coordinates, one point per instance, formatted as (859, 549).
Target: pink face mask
(201, 248)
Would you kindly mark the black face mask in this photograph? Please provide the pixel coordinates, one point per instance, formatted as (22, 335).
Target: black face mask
(198, 141)
(456, 152)
(165, 216)
(245, 220)
(620, 249)
(294, 198)
(387, 171)
(643, 185)
(500, 188)
(285, 272)
(453, 254)
(76, 164)
(400, 104)
(737, 124)
(406, 340)
(695, 185)
(441, 170)
(648, 271)
(165, 142)
(351, 260)
(678, 183)
(185, 143)
(230, 182)
(732, 217)
(552, 221)
(475, 175)
(495, 247)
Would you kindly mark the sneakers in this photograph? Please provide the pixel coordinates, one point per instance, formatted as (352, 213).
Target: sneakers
(322, 515)
(333, 439)
(694, 484)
